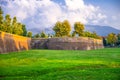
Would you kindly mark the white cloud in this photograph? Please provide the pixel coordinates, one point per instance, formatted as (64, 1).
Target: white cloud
(74, 4)
(41, 14)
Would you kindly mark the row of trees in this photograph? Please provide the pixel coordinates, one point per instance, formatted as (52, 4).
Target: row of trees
(41, 35)
(64, 29)
(12, 25)
(112, 40)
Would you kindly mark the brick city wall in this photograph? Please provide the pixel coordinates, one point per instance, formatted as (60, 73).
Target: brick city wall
(67, 43)
(11, 43)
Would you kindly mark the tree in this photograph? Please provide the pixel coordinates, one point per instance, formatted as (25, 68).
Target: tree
(24, 30)
(7, 24)
(1, 19)
(62, 28)
(78, 28)
(112, 39)
(94, 35)
(29, 34)
(57, 29)
(87, 34)
(13, 27)
(42, 35)
(66, 28)
(36, 35)
(19, 29)
(118, 36)
(104, 41)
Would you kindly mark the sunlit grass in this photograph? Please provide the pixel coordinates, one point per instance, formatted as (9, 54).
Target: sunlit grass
(103, 64)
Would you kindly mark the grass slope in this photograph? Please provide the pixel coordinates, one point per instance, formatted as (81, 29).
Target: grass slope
(103, 64)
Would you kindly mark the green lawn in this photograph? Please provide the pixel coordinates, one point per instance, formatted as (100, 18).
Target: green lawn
(103, 64)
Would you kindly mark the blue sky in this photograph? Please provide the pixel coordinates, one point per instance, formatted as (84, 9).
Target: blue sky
(43, 14)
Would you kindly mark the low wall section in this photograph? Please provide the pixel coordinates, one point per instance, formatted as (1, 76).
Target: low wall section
(67, 43)
(10, 42)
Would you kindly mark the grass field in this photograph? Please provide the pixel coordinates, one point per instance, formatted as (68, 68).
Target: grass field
(103, 64)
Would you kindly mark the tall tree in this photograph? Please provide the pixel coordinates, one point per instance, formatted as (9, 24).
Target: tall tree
(104, 41)
(19, 29)
(62, 28)
(118, 36)
(57, 29)
(112, 39)
(11, 27)
(66, 28)
(7, 24)
(1, 19)
(78, 28)
(14, 25)
(24, 30)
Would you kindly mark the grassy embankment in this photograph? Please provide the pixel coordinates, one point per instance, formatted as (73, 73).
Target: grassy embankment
(103, 64)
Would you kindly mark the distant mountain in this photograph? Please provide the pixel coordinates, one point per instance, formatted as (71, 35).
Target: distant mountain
(101, 30)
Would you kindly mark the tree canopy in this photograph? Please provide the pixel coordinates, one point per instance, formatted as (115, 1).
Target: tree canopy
(112, 38)
(78, 29)
(62, 28)
(11, 25)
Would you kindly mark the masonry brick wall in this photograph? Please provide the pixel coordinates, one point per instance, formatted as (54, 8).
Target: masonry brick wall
(11, 43)
(67, 43)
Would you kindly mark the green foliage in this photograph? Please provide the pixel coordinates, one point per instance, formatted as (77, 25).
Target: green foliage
(57, 29)
(11, 26)
(79, 28)
(62, 28)
(104, 41)
(61, 65)
(118, 41)
(43, 35)
(36, 35)
(29, 34)
(112, 38)
(118, 35)
(92, 35)
(87, 34)
(24, 30)
(1, 19)
(7, 24)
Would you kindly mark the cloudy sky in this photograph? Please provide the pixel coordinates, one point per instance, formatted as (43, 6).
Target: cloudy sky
(43, 14)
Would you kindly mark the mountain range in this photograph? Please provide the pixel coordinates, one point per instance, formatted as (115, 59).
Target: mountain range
(100, 30)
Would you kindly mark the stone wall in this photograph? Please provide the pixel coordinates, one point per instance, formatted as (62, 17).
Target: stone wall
(67, 43)
(10, 43)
